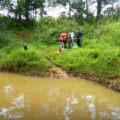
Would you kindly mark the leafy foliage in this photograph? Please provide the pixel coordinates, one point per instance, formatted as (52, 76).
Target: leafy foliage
(100, 52)
(6, 38)
(49, 29)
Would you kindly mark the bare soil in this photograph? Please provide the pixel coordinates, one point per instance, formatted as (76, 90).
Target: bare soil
(21, 36)
(58, 73)
(18, 36)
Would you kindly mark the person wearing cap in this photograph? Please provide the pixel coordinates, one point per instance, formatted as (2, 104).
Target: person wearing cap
(72, 36)
(64, 34)
(79, 37)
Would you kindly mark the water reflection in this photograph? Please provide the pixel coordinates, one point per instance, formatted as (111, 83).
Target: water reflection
(9, 103)
(8, 89)
(19, 101)
(6, 113)
(54, 103)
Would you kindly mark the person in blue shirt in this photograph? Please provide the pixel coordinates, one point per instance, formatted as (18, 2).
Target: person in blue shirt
(79, 37)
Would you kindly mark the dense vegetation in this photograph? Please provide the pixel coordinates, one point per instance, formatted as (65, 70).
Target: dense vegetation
(100, 53)
(22, 14)
(99, 56)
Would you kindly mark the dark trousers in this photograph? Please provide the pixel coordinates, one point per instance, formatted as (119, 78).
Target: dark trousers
(64, 43)
(79, 42)
(69, 43)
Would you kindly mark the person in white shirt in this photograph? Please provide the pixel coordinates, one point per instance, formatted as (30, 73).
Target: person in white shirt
(72, 36)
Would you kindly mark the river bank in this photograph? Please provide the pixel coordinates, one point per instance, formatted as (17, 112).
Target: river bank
(98, 60)
(57, 73)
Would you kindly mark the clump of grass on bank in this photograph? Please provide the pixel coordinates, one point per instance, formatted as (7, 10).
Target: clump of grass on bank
(104, 62)
(25, 61)
(102, 35)
(14, 58)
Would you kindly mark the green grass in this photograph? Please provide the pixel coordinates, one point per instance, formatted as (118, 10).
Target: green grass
(19, 60)
(100, 52)
(86, 60)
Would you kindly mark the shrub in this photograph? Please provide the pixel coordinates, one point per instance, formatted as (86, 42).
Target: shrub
(6, 38)
(25, 61)
(49, 29)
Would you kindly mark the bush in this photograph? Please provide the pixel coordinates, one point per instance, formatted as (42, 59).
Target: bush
(49, 29)
(6, 38)
(25, 61)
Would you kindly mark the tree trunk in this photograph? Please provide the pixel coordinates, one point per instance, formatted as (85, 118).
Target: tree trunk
(27, 9)
(87, 7)
(69, 8)
(99, 5)
(41, 13)
(19, 16)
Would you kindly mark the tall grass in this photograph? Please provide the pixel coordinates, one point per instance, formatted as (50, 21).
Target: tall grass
(14, 58)
(100, 53)
(21, 60)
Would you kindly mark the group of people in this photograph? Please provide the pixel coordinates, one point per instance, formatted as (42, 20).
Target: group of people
(63, 38)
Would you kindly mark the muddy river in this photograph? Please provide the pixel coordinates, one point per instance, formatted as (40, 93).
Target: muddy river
(30, 98)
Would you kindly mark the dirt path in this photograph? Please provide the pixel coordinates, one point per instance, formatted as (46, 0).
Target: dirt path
(58, 73)
(21, 36)
(18, 36)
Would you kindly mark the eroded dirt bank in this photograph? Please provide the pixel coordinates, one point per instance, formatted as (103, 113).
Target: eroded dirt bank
(53, 73)
(111, 83)
(57, 73)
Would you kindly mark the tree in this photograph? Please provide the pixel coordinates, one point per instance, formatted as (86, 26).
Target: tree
(78, 8)
(100, 5)
(27, 9)
(18, 9)
(64, 3)
(6, 4)
(42, 6)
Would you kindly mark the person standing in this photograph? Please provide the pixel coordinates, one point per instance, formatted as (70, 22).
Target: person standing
(61, 40)
(72, 36)
(79, 37)
(64, 34)
(69, 39)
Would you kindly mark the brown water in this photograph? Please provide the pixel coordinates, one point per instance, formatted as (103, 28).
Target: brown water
(29, 98)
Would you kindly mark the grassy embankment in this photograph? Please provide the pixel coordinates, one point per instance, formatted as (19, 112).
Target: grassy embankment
(99, 56)
(14, 58)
